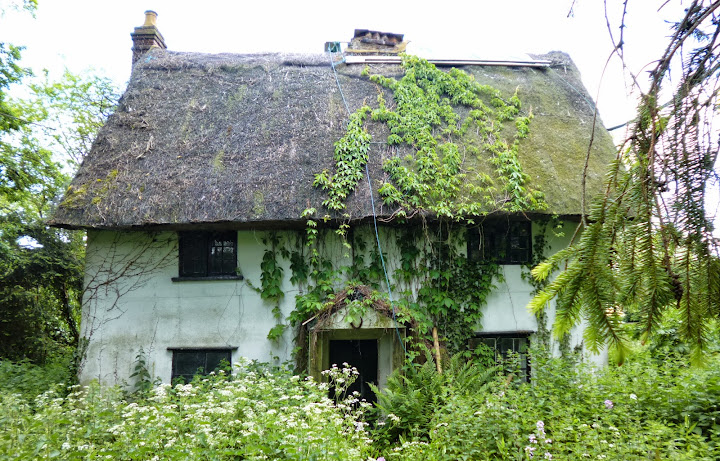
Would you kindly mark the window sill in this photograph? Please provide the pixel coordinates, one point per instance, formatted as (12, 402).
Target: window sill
(208, 278)
(498, 263)
(202, 349)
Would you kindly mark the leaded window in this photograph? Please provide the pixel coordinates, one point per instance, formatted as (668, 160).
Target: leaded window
(502, 242)
(511, 350)
(186, 363)
(208, 254)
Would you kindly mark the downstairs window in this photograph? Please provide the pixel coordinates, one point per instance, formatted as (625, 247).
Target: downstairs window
(507, 347)
(186, 363)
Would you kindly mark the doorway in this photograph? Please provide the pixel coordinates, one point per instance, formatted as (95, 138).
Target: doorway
(361, 354)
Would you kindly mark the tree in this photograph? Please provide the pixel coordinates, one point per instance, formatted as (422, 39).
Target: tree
(75, 107)
(647, 245)
(42, 140)
(41, 285)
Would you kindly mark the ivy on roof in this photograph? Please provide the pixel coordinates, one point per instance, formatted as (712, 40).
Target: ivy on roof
(463, 137)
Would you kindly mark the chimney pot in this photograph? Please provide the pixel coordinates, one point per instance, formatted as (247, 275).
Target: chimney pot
(150, 19)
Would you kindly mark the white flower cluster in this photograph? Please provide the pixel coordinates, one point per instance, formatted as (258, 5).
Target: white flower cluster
(250, 415)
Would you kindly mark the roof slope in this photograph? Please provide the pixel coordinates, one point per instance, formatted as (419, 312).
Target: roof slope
(200, 138)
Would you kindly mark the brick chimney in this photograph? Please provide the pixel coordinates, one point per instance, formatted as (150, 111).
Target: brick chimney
(375, 43)
(146, 36)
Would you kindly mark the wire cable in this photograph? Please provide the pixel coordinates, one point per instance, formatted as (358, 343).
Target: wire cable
(372, 207)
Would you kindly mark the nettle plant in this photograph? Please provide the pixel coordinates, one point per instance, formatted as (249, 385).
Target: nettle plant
(455, 160)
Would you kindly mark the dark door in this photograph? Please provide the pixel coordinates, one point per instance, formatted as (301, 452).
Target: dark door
(361, 354)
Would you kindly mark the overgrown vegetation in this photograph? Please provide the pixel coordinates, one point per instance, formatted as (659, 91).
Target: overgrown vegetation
(261, 413)
(455, 145)
(650, 244)
(452, 126)
(645, 409)
(654, 406)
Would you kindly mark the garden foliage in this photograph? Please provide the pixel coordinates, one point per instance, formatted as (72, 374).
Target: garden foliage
(649, 242)
(258, 414)
(650, 408)
(43, 136)
(638, 411)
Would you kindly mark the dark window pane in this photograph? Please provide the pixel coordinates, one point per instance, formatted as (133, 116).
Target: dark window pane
(205, 254)
(193, 259)
(189, 363)
(215, 359)
(228, 266)
(474, 250)
(490, 342)
(501, 241)
(223, 259)
(506, 347)
(214, 261)
(522, 346)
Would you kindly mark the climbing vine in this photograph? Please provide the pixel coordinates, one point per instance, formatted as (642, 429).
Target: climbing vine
(271, 278)
(446, 170)
(351, 155)
(312, 272)
(440, 287)
(455, 145)
(456, 166)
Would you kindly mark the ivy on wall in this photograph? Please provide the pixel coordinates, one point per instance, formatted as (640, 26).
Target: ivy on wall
(271, 279)
(351, 155)
(438, 287)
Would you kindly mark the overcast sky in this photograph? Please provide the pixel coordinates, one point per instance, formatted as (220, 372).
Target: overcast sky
(82, 34)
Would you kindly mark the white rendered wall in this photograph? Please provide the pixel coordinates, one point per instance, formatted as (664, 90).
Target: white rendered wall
(506, 309)
(151, 311)
(132, 303)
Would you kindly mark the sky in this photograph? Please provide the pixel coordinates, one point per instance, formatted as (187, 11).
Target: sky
(92, 34)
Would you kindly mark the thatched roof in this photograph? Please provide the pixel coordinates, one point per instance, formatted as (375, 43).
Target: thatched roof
(200, 138)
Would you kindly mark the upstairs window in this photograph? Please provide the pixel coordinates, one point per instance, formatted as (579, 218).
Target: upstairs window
(187, 363)
(503, 242)
(208, 254)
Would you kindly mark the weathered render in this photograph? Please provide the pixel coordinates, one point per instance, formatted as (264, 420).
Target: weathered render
(233, 142)
(144, 309)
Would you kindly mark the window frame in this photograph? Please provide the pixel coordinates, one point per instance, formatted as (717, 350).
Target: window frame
(525, 336)
(482, 242)
(203, 245)
(178, 351)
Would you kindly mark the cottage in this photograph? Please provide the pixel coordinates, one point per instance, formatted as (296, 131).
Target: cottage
(232, 211)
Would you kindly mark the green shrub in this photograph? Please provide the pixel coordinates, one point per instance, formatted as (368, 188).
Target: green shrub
(646, 409)
(30, 380)
(643, 410)
(406, 407)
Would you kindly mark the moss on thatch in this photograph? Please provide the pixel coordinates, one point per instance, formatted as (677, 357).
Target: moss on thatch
(201, 138)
